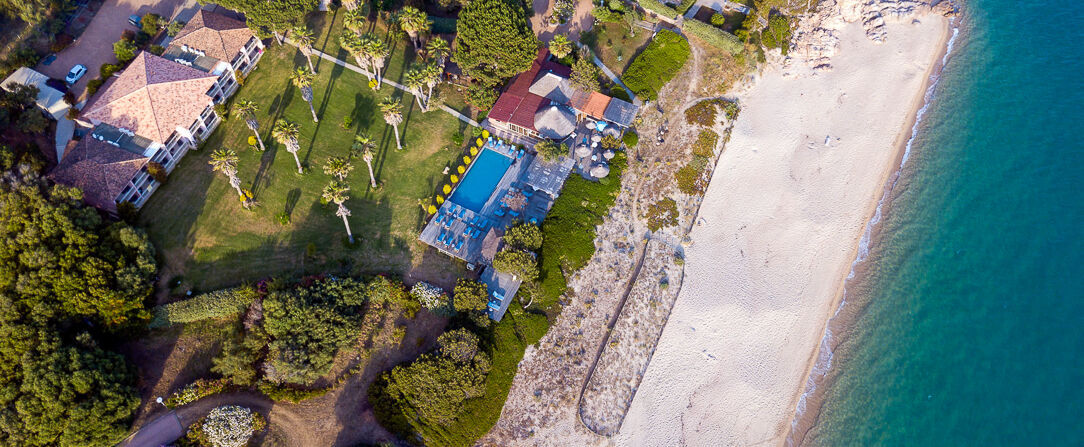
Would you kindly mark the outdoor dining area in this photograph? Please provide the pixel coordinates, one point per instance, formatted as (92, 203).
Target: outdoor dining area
(592, 159)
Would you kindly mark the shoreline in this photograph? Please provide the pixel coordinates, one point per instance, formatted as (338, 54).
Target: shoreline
(755, 315)
(805, 415)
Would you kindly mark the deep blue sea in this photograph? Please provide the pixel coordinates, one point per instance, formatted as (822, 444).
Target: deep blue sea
(966, 322)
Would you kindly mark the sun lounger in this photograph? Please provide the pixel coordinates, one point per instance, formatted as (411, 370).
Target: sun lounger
(528, 193)
(498, 295)
(499, 213)
(513, 213)
(466, 231)
(474, 234)
(459, 244)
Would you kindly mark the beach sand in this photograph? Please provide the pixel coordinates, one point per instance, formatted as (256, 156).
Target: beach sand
(781, 223)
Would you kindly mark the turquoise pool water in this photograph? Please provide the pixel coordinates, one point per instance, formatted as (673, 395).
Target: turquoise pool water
(481, 178)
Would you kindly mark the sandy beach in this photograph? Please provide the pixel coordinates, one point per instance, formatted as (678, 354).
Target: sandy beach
(806, 164)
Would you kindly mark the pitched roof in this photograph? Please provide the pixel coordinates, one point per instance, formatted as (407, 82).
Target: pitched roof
(621, 112)
(217, 35)
(101, 170)
(50, 99)
(596, 105)
(552, 87)
(152, 97)
(517, 105)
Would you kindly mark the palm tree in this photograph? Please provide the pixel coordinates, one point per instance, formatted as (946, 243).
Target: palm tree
(377, 51)
(248, 109)
(338, 167)
(354, 20)
(414, 22)
(437, 49)
(225, 161)
(432, 75)
(357, 48)
(339, 192)
(393, 115)
(415, 81)
(303, 78)
(286, 133)
(364, 145)
(304, 40)
(560, 46)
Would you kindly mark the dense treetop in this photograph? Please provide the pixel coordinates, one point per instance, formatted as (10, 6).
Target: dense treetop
(266, 17)
(59, 258)
(493, 41)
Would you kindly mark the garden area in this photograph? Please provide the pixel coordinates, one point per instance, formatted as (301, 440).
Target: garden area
(614, 45)
(207, 240)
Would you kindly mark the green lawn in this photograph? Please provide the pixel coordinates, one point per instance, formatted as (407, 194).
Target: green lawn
(328, 26)
(205, 237)
(613, 45)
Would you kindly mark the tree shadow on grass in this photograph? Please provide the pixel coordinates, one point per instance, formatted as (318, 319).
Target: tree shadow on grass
(274, 112)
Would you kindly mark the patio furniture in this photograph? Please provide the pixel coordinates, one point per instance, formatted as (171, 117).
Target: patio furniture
(466, 231)
(534, 221)
(513, 213)
(499, 212)
(459, 244)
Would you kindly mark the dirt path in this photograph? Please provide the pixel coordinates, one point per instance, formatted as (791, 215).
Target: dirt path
(581, 20)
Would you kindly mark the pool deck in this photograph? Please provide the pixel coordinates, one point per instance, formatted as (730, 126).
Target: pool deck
(501, 287)
(467, 229)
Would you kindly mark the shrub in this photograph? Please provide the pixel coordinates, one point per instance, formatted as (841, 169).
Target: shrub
(605, 14)
(610, 142)
(195, 391)
(151, 23)
(107, 70)
(777, 34)
(550, 150)
(124, 50)
(228, 426)
(705, 144)
(630, 138)
(93, 85)
(157, 50)
(442, 25)
(217, 304)
(657, 64)
(703, 113)
(713, 36)
(661, 214)
(691, 179)
(157, 171)
(174, 28)
(718, 20)
(619, 92)
(348, 122)
(283, 218)
(285, 393)
(658, 8)
(433, 298)
(221, 110)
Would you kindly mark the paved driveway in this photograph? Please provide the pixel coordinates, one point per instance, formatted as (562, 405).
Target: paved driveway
(95, 46)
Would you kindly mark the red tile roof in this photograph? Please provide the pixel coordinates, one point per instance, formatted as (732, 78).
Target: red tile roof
(596, 105)
(218, 36)
(517, 105)
(98, 168)
(152, 97)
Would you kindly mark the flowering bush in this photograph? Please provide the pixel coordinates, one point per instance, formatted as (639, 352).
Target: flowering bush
(195, 391)
(433, 298)
(228, 426)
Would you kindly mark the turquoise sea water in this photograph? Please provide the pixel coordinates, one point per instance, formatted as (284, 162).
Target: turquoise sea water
(966, 322)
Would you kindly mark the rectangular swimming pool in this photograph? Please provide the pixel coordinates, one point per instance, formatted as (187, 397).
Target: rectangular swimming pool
(480, 180)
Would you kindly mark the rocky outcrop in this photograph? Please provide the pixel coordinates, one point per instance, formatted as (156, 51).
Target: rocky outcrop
(817, 35)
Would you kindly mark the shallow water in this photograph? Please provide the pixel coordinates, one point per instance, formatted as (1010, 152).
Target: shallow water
(966, 322)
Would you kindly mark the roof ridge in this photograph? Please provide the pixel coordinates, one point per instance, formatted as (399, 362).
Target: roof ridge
(154, 113)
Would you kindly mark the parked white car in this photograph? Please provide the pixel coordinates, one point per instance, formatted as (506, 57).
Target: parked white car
(75, 74)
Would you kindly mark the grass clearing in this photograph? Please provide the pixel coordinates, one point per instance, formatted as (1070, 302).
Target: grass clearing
(206, 238)
(657, 64)
(613, 45)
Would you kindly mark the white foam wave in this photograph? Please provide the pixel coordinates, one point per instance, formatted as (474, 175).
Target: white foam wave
(824, 354)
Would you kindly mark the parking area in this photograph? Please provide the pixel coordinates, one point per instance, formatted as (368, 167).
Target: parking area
(95, 46)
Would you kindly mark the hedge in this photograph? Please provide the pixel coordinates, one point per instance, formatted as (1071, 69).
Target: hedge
(217, 304)
(658, 8)
(714, 36)
(657, 64)
(684, 6)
